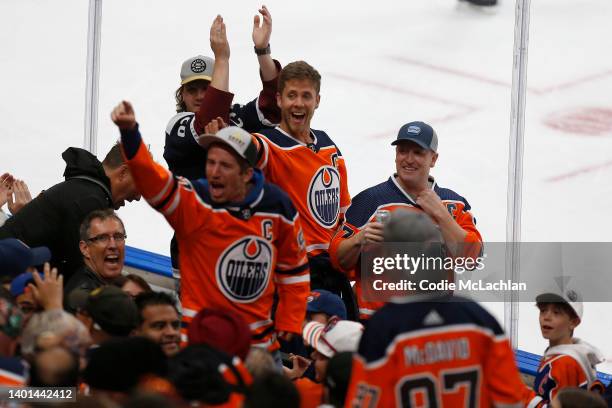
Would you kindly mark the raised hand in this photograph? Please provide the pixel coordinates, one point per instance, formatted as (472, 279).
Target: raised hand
(214, 126)
(48, 291)
(6, 188)
(123, 116)
(262, 30)
(19, 197)
(218, 39)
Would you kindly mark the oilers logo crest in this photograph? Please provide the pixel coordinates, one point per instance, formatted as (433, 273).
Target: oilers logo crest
(243, 269)
(324, 196)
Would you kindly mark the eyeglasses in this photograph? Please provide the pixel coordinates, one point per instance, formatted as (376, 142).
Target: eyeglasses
(104, 239)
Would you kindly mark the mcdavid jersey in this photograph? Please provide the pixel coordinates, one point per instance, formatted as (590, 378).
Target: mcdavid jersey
(315, 178)
(446, 353)
(230, 257)
(567, 365)
(389, 196)
(182, 152)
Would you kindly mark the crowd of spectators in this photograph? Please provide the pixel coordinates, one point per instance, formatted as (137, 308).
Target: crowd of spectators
(267, 249)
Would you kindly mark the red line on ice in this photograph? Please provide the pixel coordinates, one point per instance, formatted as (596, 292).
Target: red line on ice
(496, 82)
(397, 89)
(579, 172)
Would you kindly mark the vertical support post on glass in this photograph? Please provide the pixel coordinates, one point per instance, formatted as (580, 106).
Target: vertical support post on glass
(515, 165)
(90, 141)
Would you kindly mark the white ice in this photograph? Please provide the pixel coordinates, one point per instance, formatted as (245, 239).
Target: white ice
(383, 64)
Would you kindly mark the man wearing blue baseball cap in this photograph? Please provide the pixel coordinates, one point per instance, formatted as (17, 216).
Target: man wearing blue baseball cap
(410, 187)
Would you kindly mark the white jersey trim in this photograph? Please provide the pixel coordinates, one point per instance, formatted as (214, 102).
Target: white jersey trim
(314, 247)
(292, 280)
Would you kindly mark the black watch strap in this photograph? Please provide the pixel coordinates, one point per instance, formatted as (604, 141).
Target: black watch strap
(263, 51)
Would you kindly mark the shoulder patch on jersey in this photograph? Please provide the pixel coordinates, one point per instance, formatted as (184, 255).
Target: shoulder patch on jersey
(175, 119)
(244, 268)
(324, 196)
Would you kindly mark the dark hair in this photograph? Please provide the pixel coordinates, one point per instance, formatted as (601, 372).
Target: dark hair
(119, 364)
(178, 97)
(121, 280)
(152, 298)
(337, 377)
(195, 372)
(573, 397)
(272, 390)
(114, 157)
(299, 70)
(97, 215)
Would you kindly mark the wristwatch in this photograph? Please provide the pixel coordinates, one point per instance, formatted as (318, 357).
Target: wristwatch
(262, 51)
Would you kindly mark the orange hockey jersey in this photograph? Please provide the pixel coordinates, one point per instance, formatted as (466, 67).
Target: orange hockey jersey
(313, 175)
(566, 365)
(445, 353)
(390, 196)
(232, 257)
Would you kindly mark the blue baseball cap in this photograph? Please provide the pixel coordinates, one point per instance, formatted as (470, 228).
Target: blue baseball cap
(16, 257)
(420, 133)
(20, 283)
(323, 301)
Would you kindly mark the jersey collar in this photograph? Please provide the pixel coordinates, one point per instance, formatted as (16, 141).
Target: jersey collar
(393, 179)
(314, 137)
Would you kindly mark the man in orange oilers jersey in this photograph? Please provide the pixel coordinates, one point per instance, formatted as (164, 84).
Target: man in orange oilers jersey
(308, 165)
(411, 187)
(431, 349)
(240, 238)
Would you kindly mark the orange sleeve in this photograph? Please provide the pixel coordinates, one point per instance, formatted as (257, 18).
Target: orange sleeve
(345, 231)
(345, 197)
(292, 276)
(368, 388)
(173, 197)
(264, 149)
(501, 375)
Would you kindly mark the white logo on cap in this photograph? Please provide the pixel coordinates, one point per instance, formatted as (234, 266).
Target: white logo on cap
(237, 138)
(198, 65)
(414, 129)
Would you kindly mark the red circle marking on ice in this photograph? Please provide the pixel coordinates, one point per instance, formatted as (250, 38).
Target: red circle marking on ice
(584, 121)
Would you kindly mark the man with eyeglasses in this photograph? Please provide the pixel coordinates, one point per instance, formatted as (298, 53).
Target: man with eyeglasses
(102, 245)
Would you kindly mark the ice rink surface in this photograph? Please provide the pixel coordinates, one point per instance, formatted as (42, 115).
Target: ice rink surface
(383, 64)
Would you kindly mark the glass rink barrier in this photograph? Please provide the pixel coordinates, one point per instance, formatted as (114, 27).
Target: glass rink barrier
(518, 94)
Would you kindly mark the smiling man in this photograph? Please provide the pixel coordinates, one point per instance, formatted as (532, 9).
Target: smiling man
(159, 320)
(411, 187)
(103, 248)
(308, 165)
(240, 239)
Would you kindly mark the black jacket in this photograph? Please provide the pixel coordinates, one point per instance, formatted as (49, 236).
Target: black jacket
(83, 280)
(52, 219)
